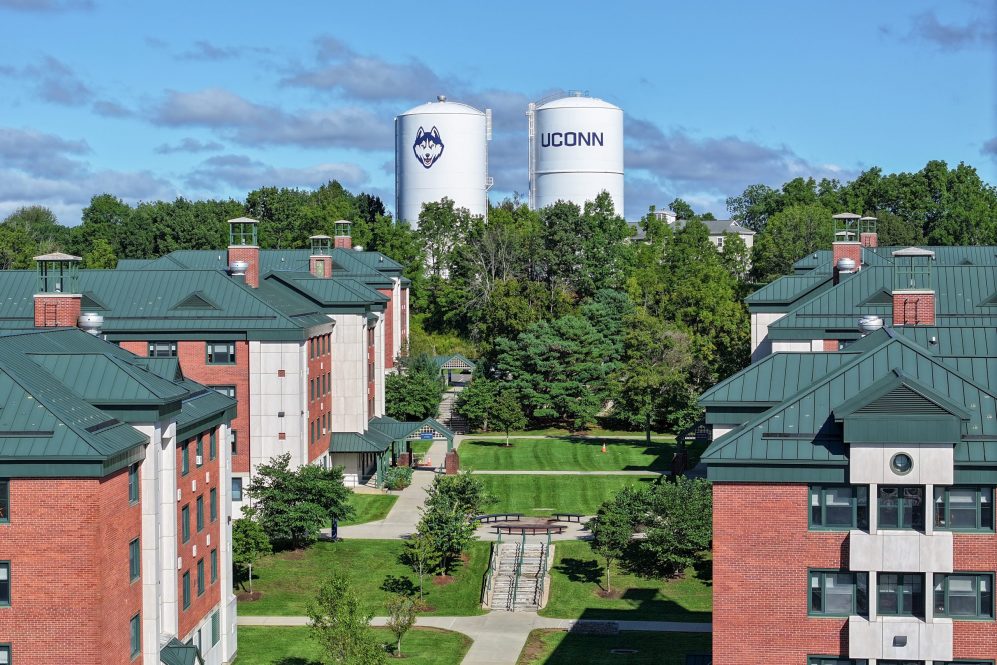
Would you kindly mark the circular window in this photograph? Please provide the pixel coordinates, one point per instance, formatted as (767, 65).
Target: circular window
(901, 464)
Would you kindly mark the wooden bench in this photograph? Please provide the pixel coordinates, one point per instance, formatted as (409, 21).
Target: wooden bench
(497, 517)
(531, 529)
(567, 517)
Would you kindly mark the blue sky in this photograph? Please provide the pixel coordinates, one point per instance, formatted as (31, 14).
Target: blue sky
(151, 100)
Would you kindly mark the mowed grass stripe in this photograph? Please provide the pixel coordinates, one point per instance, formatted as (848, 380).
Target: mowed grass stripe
(283, 645)
(370, 508)
(543, 495)
(565, 454)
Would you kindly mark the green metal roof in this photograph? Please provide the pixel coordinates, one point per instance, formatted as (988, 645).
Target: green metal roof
(773, 378)
(787, 290)
(329, 292)
(440, 361)
(959, 290)
(176, 652)
(203, 407)
(801, 429)
(397, 430)
(352, 442)
(67, 398)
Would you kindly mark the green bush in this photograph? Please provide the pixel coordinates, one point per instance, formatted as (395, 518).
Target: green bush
(398, 477)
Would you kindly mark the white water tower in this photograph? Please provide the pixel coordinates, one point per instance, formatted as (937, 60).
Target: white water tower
(576, 150)
(441, 150)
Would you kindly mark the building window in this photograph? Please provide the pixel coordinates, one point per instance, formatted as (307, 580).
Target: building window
(134, 560)
(4, 501)
(4, 583)
(233, 441)
(964, 508)
(185, 523)
(212, 444)
(237, 489)
(200, 514)
(838, 594)
(214, 566)
(213, 504)
(221, 353)
(199, 457)
(964, 596)
(200, 577)
(216, 628)
(839, 507)
(133, 483)
(900, 595)
(162, 349)
(186, 590)
(5, 654)
(832, 660)
(228, 391)
(135, 626)
(901, 507)
(184, 459)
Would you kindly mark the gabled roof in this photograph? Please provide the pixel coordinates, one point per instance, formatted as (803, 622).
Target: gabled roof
(790, 289)
(456, 360)
(397, 430)
(898, 394)
(801, 429)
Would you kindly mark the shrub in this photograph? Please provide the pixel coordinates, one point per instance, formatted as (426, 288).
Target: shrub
(398, 477)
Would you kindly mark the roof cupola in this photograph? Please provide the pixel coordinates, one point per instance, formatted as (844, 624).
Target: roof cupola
(320, 260)
(344, 238)
(846, 246)
(244, 249)
(913, 292)
(57, 295)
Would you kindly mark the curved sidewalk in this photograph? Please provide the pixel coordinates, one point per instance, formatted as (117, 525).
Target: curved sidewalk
(498, 637)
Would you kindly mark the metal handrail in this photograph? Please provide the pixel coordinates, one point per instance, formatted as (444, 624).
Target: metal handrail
(492, 569)
(539, 594)
(519, 571)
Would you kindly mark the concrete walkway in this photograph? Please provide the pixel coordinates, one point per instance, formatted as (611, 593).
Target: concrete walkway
(498, 637)
(401, 520)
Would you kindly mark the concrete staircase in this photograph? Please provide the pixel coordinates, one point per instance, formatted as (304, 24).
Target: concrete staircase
(526, 595)
(456, 422)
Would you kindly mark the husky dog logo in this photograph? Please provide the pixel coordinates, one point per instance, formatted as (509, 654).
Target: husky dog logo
(428, 146)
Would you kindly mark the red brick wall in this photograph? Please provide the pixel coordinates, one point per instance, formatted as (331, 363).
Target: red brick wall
(193, 362)
(250, 255)
(869, 239)
(343, 242)
(326, 265)
(762, 552)
(121, 599)
(974, 553)
(57, 311)
(71, 597)
(851, 250)
(389, 328)
(911, 309)
(318, 367)
(201, 606)
(830, 345)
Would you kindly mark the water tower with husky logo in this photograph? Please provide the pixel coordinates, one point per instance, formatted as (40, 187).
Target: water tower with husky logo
(576, 150)
(441, 150)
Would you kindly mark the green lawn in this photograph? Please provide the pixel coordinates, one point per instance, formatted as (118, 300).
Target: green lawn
(370, 507)
(565, 454)
(289, 580)
(577, 577)
(558, 647)
(267, 645)
(543, 495)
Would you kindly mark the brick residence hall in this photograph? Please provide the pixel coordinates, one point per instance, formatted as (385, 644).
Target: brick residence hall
(854, 462)
(124, 452)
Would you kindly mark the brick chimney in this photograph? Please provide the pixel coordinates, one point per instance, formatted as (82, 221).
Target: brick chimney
(244, 250)
(343, 239)
(57, 296)
(913, 294)
(846, 249)
(867, 232)
(320, 261)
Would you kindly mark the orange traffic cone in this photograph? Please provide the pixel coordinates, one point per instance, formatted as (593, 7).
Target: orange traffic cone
(603, 447)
